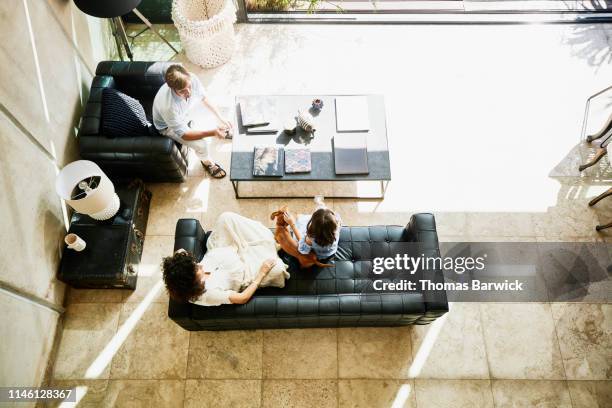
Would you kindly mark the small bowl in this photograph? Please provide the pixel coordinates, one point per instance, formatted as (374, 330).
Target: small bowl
(317, 104)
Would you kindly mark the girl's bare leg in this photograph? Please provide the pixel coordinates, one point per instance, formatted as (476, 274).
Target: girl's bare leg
(287, 242)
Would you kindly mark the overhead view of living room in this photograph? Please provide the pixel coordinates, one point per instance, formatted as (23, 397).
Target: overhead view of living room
(287, 203)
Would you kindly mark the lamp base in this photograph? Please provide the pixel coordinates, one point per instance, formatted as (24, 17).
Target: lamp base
(109, 211)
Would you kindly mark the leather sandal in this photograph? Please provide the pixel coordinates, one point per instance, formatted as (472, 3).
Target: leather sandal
(217, 170)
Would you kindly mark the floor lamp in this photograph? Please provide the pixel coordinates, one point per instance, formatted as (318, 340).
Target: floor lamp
(113, 10)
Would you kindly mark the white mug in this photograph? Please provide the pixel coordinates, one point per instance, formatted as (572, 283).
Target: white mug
(74, 242)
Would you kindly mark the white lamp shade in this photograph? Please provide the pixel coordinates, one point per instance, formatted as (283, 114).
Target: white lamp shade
(98, 200)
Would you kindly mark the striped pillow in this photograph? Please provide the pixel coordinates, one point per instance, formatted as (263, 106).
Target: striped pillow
(122, 115)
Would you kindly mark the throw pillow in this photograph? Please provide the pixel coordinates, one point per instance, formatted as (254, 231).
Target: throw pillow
(122, 115)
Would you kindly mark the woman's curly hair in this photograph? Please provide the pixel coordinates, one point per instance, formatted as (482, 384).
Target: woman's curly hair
(180, 277)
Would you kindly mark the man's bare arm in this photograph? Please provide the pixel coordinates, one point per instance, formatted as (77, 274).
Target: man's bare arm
(199, 134)
(214, 110)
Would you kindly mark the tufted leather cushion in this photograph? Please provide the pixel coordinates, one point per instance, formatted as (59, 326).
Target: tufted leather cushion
(151, 158)
(122, 115)
(327, 297)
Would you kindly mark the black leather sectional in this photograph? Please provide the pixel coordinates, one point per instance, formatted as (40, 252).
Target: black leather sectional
(327, 297)
(150, 158)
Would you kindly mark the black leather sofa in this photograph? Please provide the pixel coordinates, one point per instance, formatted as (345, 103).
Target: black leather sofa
(150, 158)
(327, 297)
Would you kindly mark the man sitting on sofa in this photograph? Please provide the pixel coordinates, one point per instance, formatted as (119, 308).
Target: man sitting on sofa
(175, 98)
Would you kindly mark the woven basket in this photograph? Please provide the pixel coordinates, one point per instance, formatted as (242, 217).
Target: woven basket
(206, 28)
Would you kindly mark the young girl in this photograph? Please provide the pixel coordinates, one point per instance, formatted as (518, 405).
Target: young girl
(318, 233)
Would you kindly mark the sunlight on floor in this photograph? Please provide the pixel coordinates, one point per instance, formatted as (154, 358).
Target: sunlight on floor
(428, 342)
(105, 357)
(41, 88)
(80, 391)
(401, 397)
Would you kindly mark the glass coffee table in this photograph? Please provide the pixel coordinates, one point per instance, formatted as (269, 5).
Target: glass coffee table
(322, 179)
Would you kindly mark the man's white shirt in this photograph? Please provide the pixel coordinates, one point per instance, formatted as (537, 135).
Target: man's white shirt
(170, 111)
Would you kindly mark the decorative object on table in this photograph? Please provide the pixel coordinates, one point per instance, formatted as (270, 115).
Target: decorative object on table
(122, 115)
(317, 104)
(297, 160)
(290, 126)
(113, 10)
(73, 241)
(85, 187)
(114, 247)
(306, 121)
(352, 114)
(268, 161)
(206, 28)
(256, 111)
(350, 153)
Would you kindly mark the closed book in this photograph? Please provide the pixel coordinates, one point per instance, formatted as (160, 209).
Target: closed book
(351, 153)
(268, 161)
(259, 130)
(352, 114)
(297, 161)
(256, 110)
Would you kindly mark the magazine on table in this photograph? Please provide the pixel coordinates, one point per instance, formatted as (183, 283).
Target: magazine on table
(268, 161)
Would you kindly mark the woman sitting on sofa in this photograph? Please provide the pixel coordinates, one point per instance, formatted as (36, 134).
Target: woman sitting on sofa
(241, 256)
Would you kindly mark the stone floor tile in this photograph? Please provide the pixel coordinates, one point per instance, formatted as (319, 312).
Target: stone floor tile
(452, 347)
(172, 201)
(222, 393)
(89, 393)
(225, 354)
(300, 393)
(156, 247)
(521, 341)
(500, 224)
(75, 295)
(585, 339)
(155, 347)
(300, 353)
(368, 352)
(87, 330)
(453, 393)
(523, 393)
(376, 393)
(590, 394)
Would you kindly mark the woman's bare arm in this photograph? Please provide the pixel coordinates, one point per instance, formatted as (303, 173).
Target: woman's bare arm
(244, 296)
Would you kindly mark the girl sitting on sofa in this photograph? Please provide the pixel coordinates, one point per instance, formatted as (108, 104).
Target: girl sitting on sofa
(312, 238)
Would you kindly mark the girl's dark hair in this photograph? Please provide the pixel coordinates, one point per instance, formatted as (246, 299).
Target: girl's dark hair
(322, 227)
(180, 277)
